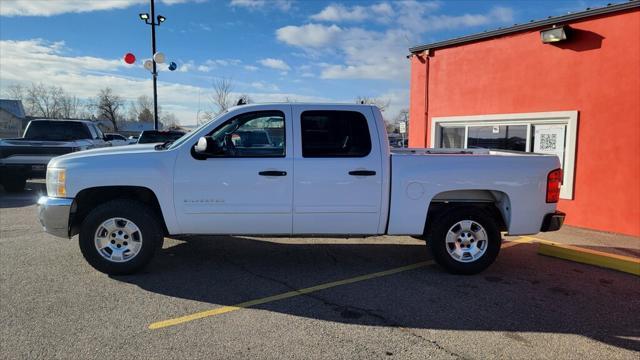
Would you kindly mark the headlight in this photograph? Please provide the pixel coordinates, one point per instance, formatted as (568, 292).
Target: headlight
(56, 181)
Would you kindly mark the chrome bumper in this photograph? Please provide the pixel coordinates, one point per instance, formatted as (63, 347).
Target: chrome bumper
(54, 215)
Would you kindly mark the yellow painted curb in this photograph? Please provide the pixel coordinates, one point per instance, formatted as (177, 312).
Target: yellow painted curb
(592, 257)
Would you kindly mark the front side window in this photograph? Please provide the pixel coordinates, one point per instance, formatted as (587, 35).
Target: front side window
(99, 133)
(334, 134)
(92, 130)
(254, 134)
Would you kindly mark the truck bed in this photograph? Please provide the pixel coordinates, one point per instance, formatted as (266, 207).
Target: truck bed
(516, 180)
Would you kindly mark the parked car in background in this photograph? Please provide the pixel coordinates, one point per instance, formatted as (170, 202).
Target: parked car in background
(333, 173)
(27, 157)
(398, 142)
(159, 136)
(133, 139)
(116, 139)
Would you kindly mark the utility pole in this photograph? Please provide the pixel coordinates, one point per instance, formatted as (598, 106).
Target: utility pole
(153, 21)
(155, 72)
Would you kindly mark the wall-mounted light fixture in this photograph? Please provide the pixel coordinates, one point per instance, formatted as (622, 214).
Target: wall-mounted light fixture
(554, 34)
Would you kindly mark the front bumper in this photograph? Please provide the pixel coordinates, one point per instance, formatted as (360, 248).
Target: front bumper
(54, 214)
(552, 221)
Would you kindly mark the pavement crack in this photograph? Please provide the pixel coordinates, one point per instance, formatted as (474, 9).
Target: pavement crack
(327, 250)
(373, 313)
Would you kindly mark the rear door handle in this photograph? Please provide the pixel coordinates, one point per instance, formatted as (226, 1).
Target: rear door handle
(362, 173)
(272, 173)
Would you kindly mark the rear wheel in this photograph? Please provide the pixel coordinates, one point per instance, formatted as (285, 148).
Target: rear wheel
(464, 240)
(120, 237)
(14, 183)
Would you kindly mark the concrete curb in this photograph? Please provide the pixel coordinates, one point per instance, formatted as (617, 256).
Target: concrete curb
(592, 257)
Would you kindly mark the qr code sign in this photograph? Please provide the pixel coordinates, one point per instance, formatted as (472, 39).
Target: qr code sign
(548, 142)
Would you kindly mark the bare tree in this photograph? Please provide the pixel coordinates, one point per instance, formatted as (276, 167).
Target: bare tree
(221, 97)
(41, 101)
(16, 92)
(142, 109)
(68, 107)
(169, 121)
(203, 116)
(382, 104)
(47, 101)
(109, 106)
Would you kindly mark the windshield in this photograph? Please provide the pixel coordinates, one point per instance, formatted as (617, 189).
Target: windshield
(194, 132)
(56, 131)
(149, 137)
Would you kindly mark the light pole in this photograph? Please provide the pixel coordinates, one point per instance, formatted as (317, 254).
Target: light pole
(150, 21)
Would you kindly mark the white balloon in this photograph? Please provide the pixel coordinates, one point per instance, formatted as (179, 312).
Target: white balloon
(159, 57)
(148, 64)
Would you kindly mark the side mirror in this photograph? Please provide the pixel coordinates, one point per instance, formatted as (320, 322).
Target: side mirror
(207, 146)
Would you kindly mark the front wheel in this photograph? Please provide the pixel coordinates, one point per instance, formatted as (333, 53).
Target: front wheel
(120, 237)
(464, 240)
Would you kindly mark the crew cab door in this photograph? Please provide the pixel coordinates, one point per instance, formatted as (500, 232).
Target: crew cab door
(337, 171)
(247, 187)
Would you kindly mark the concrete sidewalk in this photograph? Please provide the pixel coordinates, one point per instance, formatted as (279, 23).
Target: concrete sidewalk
(595, 240)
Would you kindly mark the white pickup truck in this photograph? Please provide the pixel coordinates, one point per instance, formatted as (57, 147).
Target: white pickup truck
(297, 170)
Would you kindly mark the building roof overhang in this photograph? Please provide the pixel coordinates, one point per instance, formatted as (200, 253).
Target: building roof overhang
(557, 20)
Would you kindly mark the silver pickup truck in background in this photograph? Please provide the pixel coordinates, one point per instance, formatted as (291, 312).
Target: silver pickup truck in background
(27, 157)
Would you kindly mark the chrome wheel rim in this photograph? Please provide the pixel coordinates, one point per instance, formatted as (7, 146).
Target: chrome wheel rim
(118, 240)
(466, 241)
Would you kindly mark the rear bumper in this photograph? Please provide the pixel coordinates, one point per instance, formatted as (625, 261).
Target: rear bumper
(54, 215)
(553, 221)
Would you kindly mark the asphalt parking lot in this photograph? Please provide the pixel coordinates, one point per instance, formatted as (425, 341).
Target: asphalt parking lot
(54, 305)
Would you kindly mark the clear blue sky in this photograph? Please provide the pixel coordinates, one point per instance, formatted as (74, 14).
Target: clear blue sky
(305, 50)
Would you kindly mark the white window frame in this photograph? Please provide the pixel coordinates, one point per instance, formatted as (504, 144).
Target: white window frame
(567, 118)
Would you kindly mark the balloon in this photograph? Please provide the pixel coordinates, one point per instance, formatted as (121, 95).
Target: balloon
(148, 64)
(158, 57)
(129, 58)
(172, 66)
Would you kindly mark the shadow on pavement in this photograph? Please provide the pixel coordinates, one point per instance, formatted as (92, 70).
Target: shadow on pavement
(33, 191)
(521, 292)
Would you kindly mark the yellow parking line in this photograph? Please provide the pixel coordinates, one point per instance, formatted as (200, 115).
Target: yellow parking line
(592, 257)
(290, 294)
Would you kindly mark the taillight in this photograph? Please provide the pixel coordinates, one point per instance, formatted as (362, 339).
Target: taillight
(554, 181)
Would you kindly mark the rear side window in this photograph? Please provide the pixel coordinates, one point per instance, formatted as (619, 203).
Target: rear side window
(334, 134)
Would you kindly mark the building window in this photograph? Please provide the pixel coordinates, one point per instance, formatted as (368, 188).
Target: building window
(505, 137)
(452, 137)
(545, 132)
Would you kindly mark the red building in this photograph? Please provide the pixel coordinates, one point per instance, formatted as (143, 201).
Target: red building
(568, 85)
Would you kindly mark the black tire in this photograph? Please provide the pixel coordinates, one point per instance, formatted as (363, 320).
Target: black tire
(438, 246)
(14, 184)
(141, 215)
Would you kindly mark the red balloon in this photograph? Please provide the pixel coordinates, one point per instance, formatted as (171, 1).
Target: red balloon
(129, 58)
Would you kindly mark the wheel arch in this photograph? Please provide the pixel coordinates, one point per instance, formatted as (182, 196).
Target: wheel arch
(89, 198)
(496, 203)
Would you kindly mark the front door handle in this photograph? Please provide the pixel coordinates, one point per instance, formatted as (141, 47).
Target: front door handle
(272, 173)
(362, 173)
